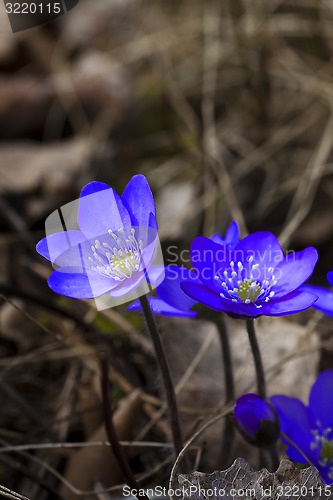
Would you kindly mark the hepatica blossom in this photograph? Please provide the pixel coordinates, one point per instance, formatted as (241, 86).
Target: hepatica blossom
(310, 428)
(254, 278)
(171, 300)
(103, 246)
(256, 420)
(325, 296)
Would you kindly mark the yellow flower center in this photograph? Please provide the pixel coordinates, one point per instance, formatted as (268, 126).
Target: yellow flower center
(118, 257)
(248, 290)
(124, 263)
(242, 284)
(326, 452)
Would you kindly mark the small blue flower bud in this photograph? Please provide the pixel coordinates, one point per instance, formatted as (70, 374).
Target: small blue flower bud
(256, 420)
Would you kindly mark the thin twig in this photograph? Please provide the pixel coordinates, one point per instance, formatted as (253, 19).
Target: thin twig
(202, 429)
(56, 336)
(24, 405)
(306, 191)
(83, 444)
(6, 492)
(8, 291)
(25, 470)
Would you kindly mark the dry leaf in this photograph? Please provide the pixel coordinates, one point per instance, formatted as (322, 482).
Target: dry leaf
(241, 481)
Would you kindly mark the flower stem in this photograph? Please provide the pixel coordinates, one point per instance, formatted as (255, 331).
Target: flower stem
(274, 457)
(260, 374)
(261, 385)
(111, 431)
(229, 428)
(164, 368)
(227, 360)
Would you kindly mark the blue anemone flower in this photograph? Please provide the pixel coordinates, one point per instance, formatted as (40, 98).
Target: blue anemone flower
(113, 247)
(171, 300)
(254, 278)
(325, 296)
(309, 428)
(256, 420)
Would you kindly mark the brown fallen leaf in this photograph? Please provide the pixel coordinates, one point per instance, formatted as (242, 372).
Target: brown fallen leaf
(241, 481)
(89, 465)
(55, 170)
(26, 166)
(89, 403)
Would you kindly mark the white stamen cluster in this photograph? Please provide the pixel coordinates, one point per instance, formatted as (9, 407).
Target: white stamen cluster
(120, 261)
(322, 441)
(240, 285)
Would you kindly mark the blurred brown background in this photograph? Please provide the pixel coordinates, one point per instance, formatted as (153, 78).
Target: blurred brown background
(226, 107)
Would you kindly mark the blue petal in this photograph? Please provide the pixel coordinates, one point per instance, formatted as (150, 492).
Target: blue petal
(232, 234)
(153, 222)
(292, 303)
(155, 274)
(138, 199)
(211, 299)
(246, 416)
(159, 306)
(130, 284)
(294, 422)
(250, 412)
(231, 237)
(149, 238)
(94, 187)
(171, 293)
(294, 270)
(330, 277)
(54, 245)
(321, 400)
(325, 298)
(76, 283)
(203, 294)
(209, 259)
(136, 306)
(326, 474)
(264, 247)
(101, 209)
(217, 238)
